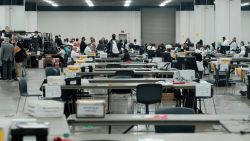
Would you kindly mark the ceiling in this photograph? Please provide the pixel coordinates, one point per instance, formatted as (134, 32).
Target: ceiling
(107, 2)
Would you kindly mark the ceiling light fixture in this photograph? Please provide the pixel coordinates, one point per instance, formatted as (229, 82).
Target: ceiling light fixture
(245, 4)
(51, 3)
(164, 3)
(90, 3)
(127, 3)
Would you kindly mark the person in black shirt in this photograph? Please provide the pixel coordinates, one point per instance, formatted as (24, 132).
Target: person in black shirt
(83, 45)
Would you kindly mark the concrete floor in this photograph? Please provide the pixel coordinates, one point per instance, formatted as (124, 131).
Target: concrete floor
(227, 99)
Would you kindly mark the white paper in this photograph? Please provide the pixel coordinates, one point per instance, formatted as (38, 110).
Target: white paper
(203, 89)
(52, 91)
(85, 110)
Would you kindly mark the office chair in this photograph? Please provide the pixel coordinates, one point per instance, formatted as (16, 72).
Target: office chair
(23, 90)
(175, 128)
(113, 66)
(126, 74)
(52, 71)
(149, 94)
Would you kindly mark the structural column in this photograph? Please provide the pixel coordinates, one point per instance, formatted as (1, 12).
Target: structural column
(12, 14)
(227, 19)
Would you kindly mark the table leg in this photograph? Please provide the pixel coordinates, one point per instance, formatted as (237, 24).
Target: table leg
(110, 129)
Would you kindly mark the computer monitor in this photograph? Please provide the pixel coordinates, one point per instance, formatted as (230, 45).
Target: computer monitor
(186, 63)
(224, 49)
(151, 54)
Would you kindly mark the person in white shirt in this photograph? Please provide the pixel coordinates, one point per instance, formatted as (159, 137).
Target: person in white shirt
(151, 47)
(113, 49)
(61, 53)
(198, 48)
(233, 45)
(87, 50)
(135, 42)
(74, 55)
(225, 42)
(242, 49)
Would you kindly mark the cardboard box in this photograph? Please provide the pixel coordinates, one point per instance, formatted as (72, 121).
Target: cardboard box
(90, 108)
(45, 108)
(167, 97)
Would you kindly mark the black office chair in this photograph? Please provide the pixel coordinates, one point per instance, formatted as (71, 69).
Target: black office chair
(151, 54)
(149, 94)
(175, 128)
(126, 74)
(113, 66)
(23, 90)
(52, 71)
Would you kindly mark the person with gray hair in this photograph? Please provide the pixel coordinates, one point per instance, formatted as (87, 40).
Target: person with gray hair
(7, 55)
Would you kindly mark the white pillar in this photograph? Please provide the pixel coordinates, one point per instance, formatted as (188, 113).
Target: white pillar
(31, 21)
(227, 19)
(12, 16)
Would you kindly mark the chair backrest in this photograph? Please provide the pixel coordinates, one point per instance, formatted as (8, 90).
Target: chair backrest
(149, 93)
(23, 86)
(166, 57)
(126, 73)
(113, 66)
(175, 128)
(52, 71)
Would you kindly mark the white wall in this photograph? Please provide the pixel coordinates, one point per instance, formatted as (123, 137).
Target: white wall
(197, 24)
(12, 16)
(245, 23)
(4, 14)
(228, 19)
(96, 24)
(31, 21)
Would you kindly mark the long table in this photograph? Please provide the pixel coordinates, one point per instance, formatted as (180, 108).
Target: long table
(188, 85)
(109, 86)
(99, 73)
(118, 69)
(128, 80)
(171, 119)
(148, 65)
(163, 137)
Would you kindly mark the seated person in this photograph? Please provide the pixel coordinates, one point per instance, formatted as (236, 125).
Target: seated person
(126, 56)
(87, 50)
(74, 55)
(242, 49)
(61, 54)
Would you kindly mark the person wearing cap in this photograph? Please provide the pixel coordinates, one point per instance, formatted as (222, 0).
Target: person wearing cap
(168, 48)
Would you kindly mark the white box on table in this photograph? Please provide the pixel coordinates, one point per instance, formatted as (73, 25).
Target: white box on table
(90, 108)
(45, 108)
(55, 80)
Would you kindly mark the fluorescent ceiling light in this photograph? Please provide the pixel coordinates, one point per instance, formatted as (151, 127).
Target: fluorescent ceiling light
(127, 3)
(51, 3)
(164, 3)
(245, 4)
(90, 3)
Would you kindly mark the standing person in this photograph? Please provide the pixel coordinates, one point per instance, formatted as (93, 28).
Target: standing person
(18, 56)
(92, 44)
(100, 46)
(58, 41)
(83, 45)
(7, 55)
(113, 50)
(233, 45)
(1, 67)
